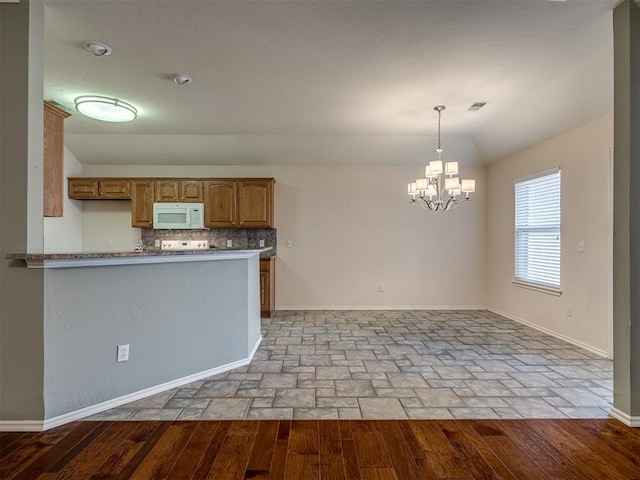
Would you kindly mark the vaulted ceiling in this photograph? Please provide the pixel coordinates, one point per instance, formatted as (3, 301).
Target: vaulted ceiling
(342, 82)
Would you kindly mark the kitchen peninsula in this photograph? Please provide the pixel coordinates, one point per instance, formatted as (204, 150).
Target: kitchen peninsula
(185, 316)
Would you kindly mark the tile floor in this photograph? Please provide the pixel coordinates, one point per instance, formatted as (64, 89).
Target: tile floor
(394, 365)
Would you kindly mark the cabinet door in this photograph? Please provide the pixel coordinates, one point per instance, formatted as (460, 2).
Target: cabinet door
(191, 191)
(115, 188)
(167, 190)
(220, 203)
(255, 203)
(142, 195)
(267, 287)
(53, 160)
(83, 188)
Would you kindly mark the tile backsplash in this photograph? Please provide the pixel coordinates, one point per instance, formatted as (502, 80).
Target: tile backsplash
(242, 237)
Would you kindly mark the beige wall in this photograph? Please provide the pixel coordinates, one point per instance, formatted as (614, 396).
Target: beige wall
(64, 234)
(583, 155)
(106, 226)
(352, 229)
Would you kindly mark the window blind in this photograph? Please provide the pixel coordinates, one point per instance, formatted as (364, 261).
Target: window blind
(537, 230)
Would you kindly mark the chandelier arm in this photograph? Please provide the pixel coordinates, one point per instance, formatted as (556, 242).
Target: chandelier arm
(428, 203)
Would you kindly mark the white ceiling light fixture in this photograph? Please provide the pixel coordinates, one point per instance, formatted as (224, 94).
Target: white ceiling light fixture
(181, 78)
(98, 49)
(439, 180)
(106, 109)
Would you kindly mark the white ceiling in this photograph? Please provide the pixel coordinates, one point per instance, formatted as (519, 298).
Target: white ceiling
(302, 82)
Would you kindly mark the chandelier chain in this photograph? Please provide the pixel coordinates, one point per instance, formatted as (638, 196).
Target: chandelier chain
(439, 114)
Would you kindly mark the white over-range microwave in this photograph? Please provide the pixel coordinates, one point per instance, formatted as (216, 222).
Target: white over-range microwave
(178, 216)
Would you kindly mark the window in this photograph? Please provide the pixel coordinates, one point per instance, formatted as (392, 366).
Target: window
(537, 231)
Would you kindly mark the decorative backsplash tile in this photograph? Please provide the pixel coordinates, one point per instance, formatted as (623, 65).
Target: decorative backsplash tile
(241, 237)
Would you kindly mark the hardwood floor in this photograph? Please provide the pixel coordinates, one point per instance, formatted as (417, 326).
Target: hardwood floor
(330, 449)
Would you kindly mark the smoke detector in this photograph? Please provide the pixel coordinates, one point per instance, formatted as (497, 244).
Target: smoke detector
(98, 49)
(181, 78)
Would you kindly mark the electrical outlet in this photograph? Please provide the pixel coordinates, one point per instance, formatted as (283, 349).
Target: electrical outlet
(261, 243)
(123, 353)
(581, 246)
(381, 287)
(157, 243)
(289, 243)
(107, 243)
(229, 243)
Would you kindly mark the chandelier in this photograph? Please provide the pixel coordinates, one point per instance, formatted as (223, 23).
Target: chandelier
(429, 192)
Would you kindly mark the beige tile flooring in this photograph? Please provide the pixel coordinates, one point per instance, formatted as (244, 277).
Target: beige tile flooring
(394, 365)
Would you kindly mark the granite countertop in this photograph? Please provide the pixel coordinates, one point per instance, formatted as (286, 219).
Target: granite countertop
(264, 253)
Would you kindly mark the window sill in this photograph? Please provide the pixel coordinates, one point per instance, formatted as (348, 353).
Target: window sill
(537, 288)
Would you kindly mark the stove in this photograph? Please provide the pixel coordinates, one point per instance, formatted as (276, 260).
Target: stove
(184, 245)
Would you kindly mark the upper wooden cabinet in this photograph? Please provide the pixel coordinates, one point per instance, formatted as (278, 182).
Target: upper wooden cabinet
(190, 191)
(83, 188)
(173, 190)
(166, 190)
(117, 188)
(142, 197)
(228, 202)
(220, 199)
(255, 203)
(99, 188)
(240, 203)
(53, 162)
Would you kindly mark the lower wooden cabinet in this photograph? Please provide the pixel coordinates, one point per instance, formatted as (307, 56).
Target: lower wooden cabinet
(267, 286)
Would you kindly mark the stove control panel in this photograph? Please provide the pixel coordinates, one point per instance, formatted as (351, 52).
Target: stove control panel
(184, 244)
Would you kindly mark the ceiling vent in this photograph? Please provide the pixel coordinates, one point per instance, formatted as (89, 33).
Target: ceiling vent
(476, 106)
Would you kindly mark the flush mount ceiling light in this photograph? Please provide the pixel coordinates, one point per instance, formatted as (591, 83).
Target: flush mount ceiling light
(97, 48)
(181, 78)
(105, 108)
(428, 192)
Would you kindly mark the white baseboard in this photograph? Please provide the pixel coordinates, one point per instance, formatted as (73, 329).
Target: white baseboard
(21, 425)
(624, 418)
(391, 307)
(254, 349)
(131, 397)
(573, 341)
